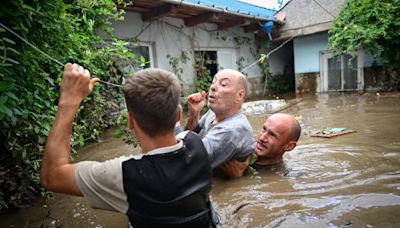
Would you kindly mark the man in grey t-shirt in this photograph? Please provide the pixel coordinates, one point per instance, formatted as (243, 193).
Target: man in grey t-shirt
(225, 131)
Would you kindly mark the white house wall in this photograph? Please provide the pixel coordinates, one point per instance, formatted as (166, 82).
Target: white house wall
(171, 36)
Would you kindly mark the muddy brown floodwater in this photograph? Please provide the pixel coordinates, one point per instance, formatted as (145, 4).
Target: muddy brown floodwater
(348, 181)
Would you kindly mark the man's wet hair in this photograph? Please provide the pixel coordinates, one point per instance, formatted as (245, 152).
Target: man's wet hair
(152, 98)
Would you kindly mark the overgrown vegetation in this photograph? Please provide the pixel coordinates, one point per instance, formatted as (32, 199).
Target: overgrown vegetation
(203, 78)
(274, 84)
(371, 24)
(374, 26)
(177, 62)
(29, 86)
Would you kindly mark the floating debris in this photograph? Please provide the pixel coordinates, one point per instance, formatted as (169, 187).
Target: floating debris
(332, 132)
(267, 106)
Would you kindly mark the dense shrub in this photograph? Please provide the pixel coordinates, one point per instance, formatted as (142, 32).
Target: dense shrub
(371, 24)
(29, 82)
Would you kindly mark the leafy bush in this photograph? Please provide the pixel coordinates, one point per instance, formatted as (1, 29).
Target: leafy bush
(371, 24)
(29, 85)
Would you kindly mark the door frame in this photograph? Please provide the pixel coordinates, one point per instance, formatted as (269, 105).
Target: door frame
(323, 82)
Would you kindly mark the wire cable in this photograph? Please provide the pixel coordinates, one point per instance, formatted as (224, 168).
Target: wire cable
(45, 54)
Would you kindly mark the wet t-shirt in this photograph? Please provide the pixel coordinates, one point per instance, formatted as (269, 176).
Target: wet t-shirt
(231, 138)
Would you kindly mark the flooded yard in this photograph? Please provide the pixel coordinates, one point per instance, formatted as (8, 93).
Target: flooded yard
(351, 180)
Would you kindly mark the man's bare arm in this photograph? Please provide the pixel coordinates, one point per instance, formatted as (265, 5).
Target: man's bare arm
(196, 103)
(234, 168)
(192, 121)
(57, 174)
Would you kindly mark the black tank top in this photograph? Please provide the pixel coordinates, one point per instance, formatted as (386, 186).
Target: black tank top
(171, 189)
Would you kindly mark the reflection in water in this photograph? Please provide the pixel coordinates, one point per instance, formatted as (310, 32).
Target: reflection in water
(348, 181)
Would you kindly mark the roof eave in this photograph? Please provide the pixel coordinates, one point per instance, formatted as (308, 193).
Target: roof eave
(221, 10)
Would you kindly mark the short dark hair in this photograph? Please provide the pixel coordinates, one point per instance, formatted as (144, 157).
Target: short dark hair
(152, 96)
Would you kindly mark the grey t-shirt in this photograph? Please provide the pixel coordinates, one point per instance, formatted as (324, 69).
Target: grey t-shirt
(231, 138)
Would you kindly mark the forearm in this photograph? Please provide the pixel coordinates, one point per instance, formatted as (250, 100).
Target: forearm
(192, 120)
(234, 168)
(57, 149)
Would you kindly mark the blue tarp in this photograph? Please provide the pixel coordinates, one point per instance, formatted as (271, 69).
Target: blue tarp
(235, 6)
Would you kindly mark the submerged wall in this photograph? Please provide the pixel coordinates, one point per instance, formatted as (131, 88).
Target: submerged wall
(306, 52)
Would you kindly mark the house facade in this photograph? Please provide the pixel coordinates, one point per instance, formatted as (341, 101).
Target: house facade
(175, 35)
(306, 55)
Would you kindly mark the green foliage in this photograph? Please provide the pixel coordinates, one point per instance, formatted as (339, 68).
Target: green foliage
(242, 40)
(176, 63)
(249, 169)
(204, 83)
(123, 130)
(29, 84)
(279, 84)
(203, 75)
(240, 64)
(371, 24)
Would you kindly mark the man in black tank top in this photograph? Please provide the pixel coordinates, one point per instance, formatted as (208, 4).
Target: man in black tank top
(166, 186)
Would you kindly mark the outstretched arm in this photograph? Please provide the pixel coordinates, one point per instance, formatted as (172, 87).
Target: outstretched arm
(196, 103)
(57, 174)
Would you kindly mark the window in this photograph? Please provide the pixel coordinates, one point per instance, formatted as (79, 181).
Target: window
(143, 58)
(141, 51)
(340, 73)
(206, 62)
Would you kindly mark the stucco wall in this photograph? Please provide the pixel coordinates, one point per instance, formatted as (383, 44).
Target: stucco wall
(169, 36)
(303, 13)
(306, 52)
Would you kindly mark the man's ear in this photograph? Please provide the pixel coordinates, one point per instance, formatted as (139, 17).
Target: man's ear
(290, 146)
(179, 116)
(130, 120)
(240, 95)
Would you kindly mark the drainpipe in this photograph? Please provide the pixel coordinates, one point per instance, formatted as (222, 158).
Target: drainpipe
(182, 2)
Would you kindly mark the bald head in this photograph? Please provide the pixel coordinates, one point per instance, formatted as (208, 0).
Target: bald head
(278, 135)
(291, 122)
(227, 93)
(240, 79)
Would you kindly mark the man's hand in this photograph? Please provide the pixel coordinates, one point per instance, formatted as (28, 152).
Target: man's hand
(234, 168)
(76, 84)
(195, 103)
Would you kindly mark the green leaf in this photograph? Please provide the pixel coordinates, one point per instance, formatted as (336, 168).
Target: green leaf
(5, 110)
(17, 111)
(8, 40)
(5, 64)
(3, 99)
(12, 95)
(250, 170)
(118, 134)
